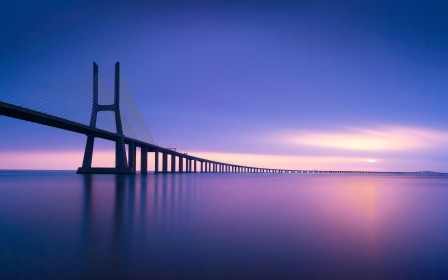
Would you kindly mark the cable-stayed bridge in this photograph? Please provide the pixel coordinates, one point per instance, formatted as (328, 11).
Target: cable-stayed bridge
(90, 106)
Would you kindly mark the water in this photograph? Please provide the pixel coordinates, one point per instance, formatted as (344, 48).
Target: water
(59, 225)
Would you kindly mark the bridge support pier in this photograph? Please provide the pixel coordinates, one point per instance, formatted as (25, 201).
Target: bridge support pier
(164, 162)
(173, 163)
(156, 162)
(181, 165)
(132, 158)
(144, 160)
(121, 164)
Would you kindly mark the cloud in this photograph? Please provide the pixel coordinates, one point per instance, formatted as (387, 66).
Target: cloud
(384, 138)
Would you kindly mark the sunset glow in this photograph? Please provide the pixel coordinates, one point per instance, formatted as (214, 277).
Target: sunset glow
(383, 138)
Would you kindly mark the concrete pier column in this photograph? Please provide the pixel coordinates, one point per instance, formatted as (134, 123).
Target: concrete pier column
(132, 157)
(156, 161)
(88, 153)
(173, 163)
(144, 159)
(181, 165)
(195, 163)
(164, 162)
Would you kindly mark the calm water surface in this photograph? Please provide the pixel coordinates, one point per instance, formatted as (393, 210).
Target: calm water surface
(59, 225)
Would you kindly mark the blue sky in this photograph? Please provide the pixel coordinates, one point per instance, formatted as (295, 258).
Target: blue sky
(241, 80)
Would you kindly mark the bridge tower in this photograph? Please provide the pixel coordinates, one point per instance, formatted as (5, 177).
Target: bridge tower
(121, 163)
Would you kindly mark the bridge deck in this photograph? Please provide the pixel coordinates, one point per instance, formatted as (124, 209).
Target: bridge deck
(18, 112)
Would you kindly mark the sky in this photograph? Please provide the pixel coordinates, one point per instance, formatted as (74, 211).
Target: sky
(358, 85)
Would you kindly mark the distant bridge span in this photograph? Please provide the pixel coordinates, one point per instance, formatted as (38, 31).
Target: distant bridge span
(126, 164)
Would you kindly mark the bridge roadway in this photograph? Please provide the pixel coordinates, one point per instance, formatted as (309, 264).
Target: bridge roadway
(185, 162)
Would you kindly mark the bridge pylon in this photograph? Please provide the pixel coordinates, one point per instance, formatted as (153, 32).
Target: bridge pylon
(121, 163)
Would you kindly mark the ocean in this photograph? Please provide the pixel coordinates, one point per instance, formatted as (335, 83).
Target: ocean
(61, 225)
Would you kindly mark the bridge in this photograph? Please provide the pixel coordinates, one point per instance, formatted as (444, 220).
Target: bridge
(88, 106)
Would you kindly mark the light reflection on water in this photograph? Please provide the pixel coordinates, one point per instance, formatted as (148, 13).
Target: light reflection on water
(222, 226)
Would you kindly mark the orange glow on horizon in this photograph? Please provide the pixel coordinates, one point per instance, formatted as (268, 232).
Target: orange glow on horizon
(384, 138)
(52, 160)
(71, 160)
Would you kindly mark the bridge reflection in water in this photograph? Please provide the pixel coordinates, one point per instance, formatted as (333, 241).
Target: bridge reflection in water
(144, 211)
(222, 226)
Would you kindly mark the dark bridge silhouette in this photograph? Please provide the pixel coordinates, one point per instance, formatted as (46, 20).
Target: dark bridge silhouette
(127, 128)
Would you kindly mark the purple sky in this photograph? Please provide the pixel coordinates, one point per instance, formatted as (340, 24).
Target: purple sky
(300, 84)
